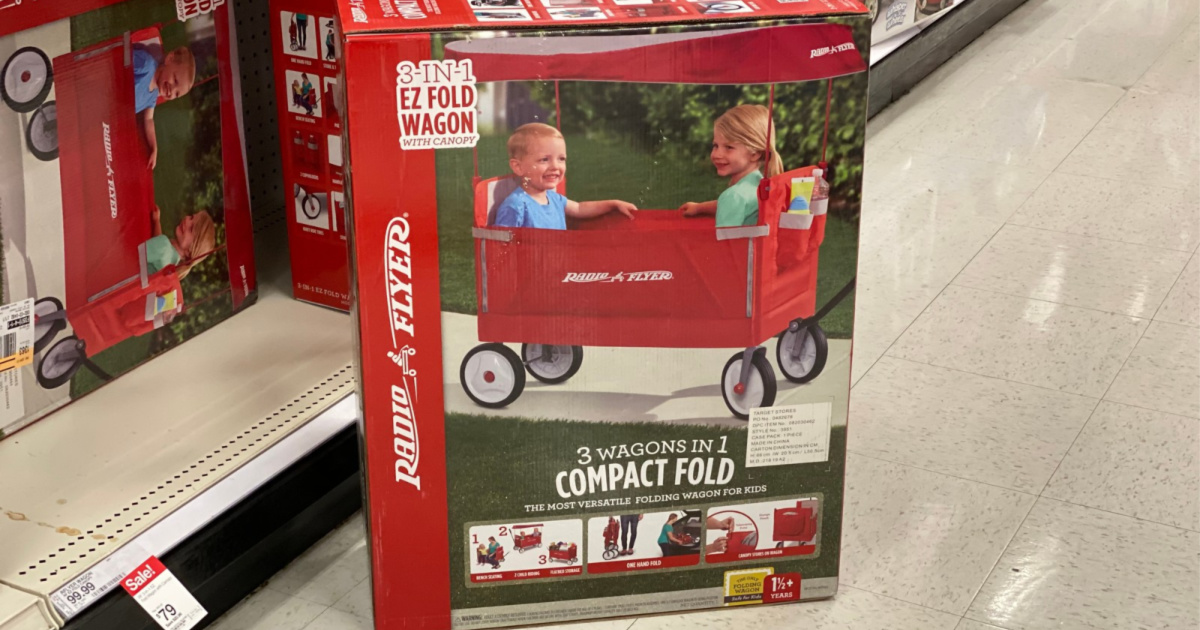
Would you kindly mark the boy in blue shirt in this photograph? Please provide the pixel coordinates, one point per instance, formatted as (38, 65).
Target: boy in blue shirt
(154, 76)
(538, 156)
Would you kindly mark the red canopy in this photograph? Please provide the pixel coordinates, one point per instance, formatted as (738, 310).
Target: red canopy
(777, 54)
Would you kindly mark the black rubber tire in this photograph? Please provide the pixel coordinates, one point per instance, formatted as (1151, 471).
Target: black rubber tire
(44, 154)
(56, 327)
(822, 347)
(576, 363)
(62, 379)
(30, 105)
(765, 372)
(513, 360)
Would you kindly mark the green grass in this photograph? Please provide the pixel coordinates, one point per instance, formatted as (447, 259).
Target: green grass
(498, 465)
(600, 170)
(114, 20)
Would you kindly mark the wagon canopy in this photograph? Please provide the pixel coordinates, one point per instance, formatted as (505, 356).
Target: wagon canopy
(777, 54)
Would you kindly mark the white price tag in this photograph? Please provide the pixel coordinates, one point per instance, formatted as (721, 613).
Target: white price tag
(92, 584)
(166, 599)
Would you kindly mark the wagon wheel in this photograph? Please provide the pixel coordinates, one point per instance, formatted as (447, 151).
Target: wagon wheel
(492, 375)
(46, 327)
(311, 206)
(759, 391)
(61, 362)
(551, 364)
(42, 132)
(805, 365)
(610, 553)
(26, 79)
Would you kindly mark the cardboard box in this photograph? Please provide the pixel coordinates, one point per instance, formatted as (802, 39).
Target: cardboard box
(123, 198)
(557, 422)
(307, 61)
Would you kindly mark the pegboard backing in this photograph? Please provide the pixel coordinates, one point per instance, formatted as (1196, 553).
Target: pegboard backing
(267, 196)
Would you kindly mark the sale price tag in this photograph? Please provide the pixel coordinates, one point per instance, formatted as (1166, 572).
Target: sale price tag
(167, 600)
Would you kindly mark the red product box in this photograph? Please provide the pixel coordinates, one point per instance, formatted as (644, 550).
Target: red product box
(307, 54)
(616, 384)
(123, 196)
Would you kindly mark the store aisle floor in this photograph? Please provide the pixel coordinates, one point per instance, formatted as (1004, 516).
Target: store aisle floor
(1025, 420)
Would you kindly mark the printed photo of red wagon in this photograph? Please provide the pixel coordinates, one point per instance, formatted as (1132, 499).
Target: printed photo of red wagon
(662, 280)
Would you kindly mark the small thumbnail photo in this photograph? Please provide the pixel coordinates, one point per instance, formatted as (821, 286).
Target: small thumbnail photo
(299, 30)
(312, 207)
(304, 94)
(582, 13)
(502, 15)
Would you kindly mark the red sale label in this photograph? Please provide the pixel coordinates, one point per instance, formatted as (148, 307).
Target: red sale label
(168, 601)
(782, 587)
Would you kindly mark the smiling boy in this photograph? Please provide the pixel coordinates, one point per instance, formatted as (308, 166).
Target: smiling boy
(168, 78)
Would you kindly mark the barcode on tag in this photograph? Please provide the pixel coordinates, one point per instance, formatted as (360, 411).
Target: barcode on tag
(16, 334)
(167, 600)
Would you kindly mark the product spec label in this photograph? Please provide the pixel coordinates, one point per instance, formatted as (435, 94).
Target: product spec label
(795, 434)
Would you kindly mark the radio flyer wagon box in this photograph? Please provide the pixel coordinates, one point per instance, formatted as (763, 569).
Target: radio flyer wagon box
(307, 53)
(603, 256)
(124, 212)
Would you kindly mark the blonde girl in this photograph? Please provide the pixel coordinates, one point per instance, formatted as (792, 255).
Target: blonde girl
(195, 238)
(743, 150)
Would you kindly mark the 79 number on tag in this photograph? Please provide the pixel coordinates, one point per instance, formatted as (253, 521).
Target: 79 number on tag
(167, 613)
(163, 596)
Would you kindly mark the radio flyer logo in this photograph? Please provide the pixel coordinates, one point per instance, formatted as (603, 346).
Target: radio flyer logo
(896, 13)
(405, 440)
(435, 104)
(186, 9)
(620, 276)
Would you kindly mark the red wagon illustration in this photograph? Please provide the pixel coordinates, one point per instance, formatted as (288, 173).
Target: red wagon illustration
(796, 525)
(661, 280)
(524, 539)
(108, 198)
(563, 552)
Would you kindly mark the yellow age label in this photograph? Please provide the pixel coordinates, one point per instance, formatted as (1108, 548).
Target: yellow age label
(745, 586)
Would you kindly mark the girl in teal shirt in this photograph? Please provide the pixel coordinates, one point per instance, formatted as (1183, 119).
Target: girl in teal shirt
(195, 238)
(743, 150)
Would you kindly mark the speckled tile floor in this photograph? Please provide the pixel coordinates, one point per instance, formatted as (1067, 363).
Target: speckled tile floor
(1025, 451)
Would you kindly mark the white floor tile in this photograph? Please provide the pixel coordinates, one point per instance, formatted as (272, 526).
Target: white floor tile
(269, 610)
(1018, 339)
(1182, 305)
(1015, 120)
(1111, 209)
(1120, 41)
(851, 609)
(1149, 138)
(1136, 462)
(1178, 70)
(328, 571)
(923, 537)
(357, 601)
(1076, 567)
(979, 428)
(929, 217)
(1163, 373)
(1075, 270)
(967, 624)
(337, 620)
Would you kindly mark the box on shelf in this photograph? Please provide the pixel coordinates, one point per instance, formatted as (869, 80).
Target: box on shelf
(618, 388)
(124, 212)
(307, 59)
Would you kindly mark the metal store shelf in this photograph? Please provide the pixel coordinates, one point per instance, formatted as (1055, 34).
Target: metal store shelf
(143, 463)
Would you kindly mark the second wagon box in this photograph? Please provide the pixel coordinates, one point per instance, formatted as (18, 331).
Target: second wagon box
(604, 258)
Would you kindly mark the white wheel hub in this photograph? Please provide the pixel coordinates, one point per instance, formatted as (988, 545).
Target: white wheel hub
(801, 365)
(489, 376)
(26, 77)
(548, 361)
(751, 396)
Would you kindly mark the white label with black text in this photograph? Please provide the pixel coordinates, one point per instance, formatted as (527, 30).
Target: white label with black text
(435, 104)
(93, 583)
(787, 435)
